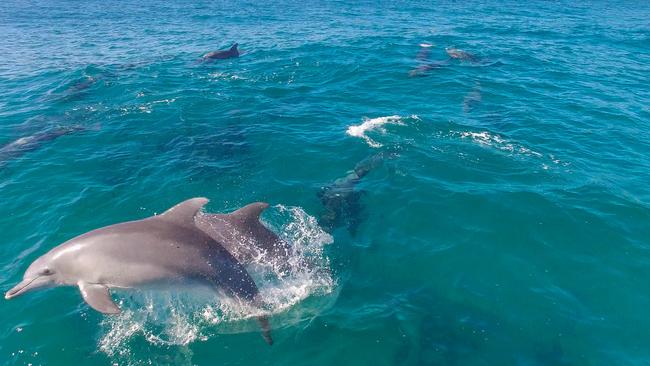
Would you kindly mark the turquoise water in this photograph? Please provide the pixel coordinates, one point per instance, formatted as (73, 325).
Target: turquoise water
(507, 223)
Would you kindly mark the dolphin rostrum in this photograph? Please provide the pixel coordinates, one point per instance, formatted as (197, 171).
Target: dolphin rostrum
(222, 54)
(158, 251)
(243, 235)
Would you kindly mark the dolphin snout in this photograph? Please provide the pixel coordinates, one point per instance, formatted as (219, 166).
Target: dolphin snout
(21, 287)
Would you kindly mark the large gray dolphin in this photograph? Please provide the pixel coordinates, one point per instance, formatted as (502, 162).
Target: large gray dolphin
(167, 250)
(222, 54)
(243, 235)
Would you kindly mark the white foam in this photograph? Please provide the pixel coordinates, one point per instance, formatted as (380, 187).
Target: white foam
(426, 45)
(180, 318)
(225, 76)
(146, 107)
(370, 124)
(493, 140)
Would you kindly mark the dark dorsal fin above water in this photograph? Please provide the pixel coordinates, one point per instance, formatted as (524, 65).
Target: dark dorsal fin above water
(234, 47)
(184, 212)
(249, 213)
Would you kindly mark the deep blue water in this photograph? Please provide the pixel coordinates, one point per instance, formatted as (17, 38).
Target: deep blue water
(502, 217)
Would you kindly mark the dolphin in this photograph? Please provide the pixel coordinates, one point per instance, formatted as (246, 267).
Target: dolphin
(161, 251)
(341, 200)
(81, 85)
(473, 98)
(461, 55)
(26, 144)
(426, 64)
(222, 54)
(243, 235)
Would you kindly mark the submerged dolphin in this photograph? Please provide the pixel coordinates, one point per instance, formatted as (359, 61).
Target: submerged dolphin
(473, 98)
(243, 235)
(25, 144)
(342, 202)
(222, 54)
(426, 64)
(461, 55)
(159, 251)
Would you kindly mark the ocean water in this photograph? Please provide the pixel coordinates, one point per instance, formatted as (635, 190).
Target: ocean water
(492, 210)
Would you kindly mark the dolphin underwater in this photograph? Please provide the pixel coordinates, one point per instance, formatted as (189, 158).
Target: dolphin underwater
(222, 54)
(473, 98)
(26, 144)
(426, 64)
(155, 252)
(243, 235)
(341, 199)
(461, 55)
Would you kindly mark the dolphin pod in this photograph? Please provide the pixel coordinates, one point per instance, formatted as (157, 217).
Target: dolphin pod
(166, 250)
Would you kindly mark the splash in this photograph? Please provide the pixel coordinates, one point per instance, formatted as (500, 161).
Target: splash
(378, 124)
(167, 318)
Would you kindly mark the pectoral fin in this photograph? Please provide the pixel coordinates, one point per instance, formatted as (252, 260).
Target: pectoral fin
(98, 297)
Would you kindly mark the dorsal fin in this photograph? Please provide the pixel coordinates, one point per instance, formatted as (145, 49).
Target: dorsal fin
(184, 212)
(234, 47)
(250, 212)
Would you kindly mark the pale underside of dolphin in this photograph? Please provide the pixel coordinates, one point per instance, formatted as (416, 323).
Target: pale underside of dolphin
(163, 251)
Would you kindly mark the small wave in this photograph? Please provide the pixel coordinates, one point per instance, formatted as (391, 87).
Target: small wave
(370, 124)
(225, 76)
(164, 318)
(146, 107)
(493, 140)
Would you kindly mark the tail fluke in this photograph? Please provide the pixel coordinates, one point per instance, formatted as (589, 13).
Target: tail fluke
(266, 329)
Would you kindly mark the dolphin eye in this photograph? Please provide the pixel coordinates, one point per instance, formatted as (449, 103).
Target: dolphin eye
(46, 272)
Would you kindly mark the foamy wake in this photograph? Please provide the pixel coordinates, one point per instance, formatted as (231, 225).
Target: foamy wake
(491, 140)
(180, 318)
(146, 107)
(487, 139)
(370, 124)
(225, 76)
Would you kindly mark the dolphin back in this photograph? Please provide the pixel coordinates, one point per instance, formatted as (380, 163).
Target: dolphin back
(242, 233)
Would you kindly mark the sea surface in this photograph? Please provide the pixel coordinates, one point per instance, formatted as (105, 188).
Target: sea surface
(492, 209)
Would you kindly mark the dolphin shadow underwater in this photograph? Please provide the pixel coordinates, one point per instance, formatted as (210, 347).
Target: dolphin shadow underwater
(342, 200)
(167, 250)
